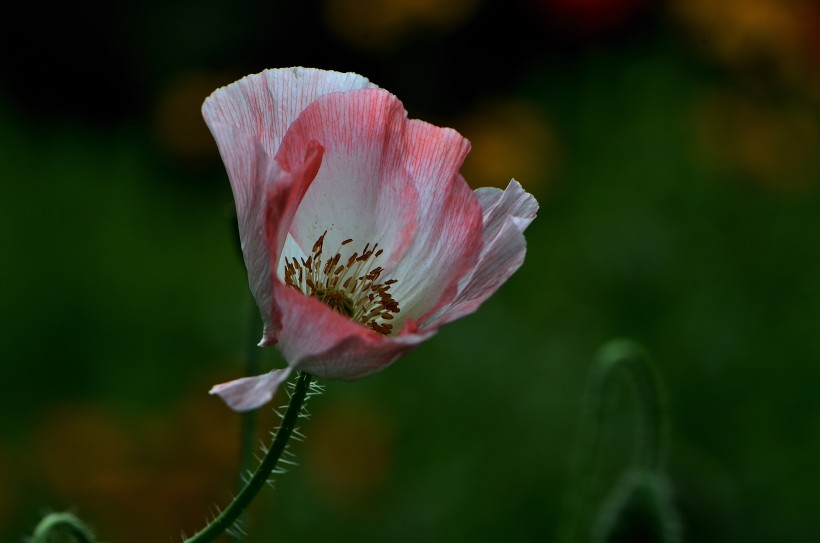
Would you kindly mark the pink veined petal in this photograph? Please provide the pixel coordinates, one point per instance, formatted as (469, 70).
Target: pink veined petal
(264, 105)
(362, 191)
(309, 151)
(393, 181)
(260, 186)
(448, 238)
(375, 164)
(506, 214)
(318, 340)
(283, 199)
(248, 120)
(251, 392)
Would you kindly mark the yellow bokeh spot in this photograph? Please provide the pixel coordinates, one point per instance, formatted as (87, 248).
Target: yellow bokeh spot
(178, 124)
(773, 145)
(754, 33)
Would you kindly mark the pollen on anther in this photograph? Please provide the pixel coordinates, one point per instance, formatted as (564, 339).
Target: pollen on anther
(318, 245)
(350, 288)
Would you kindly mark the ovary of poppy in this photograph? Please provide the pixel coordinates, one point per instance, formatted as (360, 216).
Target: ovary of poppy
(359, 234)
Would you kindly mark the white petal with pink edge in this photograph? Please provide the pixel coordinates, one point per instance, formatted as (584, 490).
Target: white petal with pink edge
(506, 214)
(362, 191)
(325, 343)
(264, 105)
(251, 171)
(448, 236)
(323, 166)
(392, 181)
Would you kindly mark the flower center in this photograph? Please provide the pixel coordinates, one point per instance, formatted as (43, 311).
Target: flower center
(350, 288)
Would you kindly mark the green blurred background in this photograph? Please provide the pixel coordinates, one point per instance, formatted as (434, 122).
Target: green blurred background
(673, 147)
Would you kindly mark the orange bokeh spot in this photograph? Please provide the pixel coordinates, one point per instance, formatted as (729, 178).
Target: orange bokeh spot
(139, 479)
(509, 139)
(773, 145)
(178, 124)
(775, 35)
(376, 24)
(350, 453)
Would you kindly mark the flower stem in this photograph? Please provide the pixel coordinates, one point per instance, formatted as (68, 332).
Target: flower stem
(628, 356)
(629, 359)
(247, 436)
(65, 522)
(248, 432)
(245, 496)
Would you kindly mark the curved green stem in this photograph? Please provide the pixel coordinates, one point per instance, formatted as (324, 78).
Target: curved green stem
(632, 360)
(65, 522)
(616, 356)
(245, 496)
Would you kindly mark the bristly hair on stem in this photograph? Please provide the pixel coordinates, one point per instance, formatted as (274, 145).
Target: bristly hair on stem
(225, 521)
(300, 392)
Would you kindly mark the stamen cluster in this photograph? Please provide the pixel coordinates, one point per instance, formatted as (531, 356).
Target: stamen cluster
(350, 288)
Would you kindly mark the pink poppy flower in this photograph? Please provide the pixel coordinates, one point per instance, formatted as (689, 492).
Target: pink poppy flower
(360, 237)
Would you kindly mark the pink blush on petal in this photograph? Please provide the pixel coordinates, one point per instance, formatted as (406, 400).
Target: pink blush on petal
(400, 244)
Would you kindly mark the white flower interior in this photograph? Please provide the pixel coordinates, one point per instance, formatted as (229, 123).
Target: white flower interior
(348, 285)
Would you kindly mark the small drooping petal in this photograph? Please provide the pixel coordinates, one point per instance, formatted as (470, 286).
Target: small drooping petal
(506, 214)
(251, 392)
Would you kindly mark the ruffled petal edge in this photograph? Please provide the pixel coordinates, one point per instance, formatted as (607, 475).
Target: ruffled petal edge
(506, 214)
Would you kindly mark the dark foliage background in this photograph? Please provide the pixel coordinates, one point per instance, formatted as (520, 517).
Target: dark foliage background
(673, 147)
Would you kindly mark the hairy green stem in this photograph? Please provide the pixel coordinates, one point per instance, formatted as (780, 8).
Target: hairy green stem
(228, 517)
(62, 522)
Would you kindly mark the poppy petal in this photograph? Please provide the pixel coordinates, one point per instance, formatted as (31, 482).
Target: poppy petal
(506, 214)
(251, 392)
